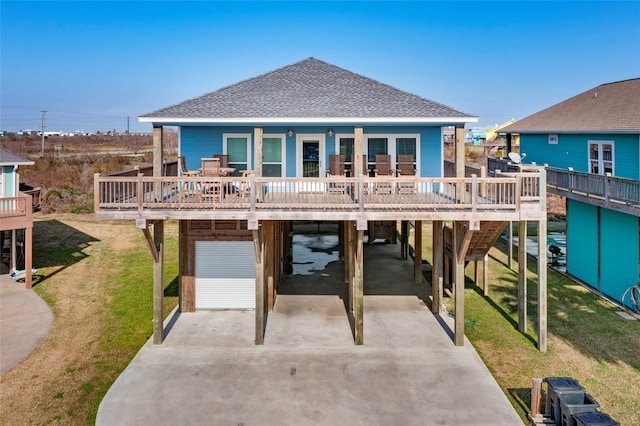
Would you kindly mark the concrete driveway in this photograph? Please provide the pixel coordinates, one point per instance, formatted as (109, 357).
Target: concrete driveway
(309, 372)
(25, 321)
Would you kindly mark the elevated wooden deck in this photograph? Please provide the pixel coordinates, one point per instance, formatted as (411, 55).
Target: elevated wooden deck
(508, 197)
(16, 212)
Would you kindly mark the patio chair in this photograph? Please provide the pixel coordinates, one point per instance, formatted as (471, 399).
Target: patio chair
(336, 166)
(182, 165)
(383, 171)
(211, 189)
(405, 168)
(336, 170)
(224, 159)
(244, 188)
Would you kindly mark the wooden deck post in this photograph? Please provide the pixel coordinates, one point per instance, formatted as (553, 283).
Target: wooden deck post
(258, 242)
(417, 253)
(358, 311)
(542, 285)
(28, 255)
(358, 150)
(436, 266)
(158, 284)
(270, 260)
(257, 140)
(510, 244)
(183, 265)
(522, 276)
(459, 155)
(485, 275)
(458, 240)
(158, 159)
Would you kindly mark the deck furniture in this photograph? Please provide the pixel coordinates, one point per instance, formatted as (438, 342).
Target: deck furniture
(405, 168)
(383, 169)
(224, 159)
(182, 165)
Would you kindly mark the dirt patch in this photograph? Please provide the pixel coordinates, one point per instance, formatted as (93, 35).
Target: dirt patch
(51, 383)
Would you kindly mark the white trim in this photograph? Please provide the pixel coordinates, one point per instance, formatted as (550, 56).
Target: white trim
(225, 136)
(283, 154)
(601, 168)
(320, 137)
(308, 120)
(392, 146)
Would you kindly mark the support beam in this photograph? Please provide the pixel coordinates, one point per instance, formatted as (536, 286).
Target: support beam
(257, 141)
(437, 265)
(158, 159)
(158, 284)
(459, 160)
(485, 275)
(417, 253)
(522, 276)
(258, 242)
(270, 261)
(358, 150)
(458, 240)
(183, 266)
(158, 150)
(510, 244)
(358, 311)
(28, 256)
(542, 286)
(466, 242)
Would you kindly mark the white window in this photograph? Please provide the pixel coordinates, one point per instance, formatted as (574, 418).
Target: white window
(601, 157)
(238, 148)
(273, 155)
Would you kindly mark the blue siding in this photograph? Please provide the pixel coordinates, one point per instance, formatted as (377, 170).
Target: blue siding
(9, 181)
(619, 257)
(572, 151)
(582, 242)
(197, 142)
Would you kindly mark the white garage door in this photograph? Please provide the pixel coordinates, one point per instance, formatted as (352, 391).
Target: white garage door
(225, 275)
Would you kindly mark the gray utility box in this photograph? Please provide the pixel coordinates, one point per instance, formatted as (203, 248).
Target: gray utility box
(557, 386)
(574, 403)
(594, 419)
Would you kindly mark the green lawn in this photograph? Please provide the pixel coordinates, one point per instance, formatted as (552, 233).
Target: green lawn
(587, 339)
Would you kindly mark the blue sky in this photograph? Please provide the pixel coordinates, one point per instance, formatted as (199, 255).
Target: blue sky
(93, 64)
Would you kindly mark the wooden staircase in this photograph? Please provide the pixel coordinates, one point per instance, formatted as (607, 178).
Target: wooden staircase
(482, 240)
(476, 244)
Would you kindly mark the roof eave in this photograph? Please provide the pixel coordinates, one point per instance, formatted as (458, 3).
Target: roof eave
(577, 131)
(310, 120)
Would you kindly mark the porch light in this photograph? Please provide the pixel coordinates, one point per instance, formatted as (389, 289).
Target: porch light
(290, 132)
(330, 133)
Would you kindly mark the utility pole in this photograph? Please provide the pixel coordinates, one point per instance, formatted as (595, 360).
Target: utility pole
(43, 111)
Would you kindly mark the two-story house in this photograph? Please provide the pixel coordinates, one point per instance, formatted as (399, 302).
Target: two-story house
(591, 143)
(16, 216)
(309, 141)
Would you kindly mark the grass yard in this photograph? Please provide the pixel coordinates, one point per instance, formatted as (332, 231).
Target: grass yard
(587, 339)
(97, 278)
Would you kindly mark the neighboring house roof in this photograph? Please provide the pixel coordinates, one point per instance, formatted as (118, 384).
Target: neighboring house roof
(611, 107)
(309, 91)
(9, 158)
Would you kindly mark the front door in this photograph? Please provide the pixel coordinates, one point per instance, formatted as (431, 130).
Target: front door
(310, 156)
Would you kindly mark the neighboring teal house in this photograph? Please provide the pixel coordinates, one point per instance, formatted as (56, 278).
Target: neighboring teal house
(591, 143)
(16, 217)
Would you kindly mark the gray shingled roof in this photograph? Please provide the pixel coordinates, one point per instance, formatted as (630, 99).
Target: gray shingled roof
(9, 158)
(611, 107)
(307, 89)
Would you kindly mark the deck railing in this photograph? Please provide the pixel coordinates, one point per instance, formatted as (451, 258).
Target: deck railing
(609, 189)
(504, 193)
(15, 212)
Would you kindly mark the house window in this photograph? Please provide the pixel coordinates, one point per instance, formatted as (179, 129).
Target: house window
(346, 149)
(376, 146)
(601, 157)
(238, 148)
(406, 146)
(272, 156)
